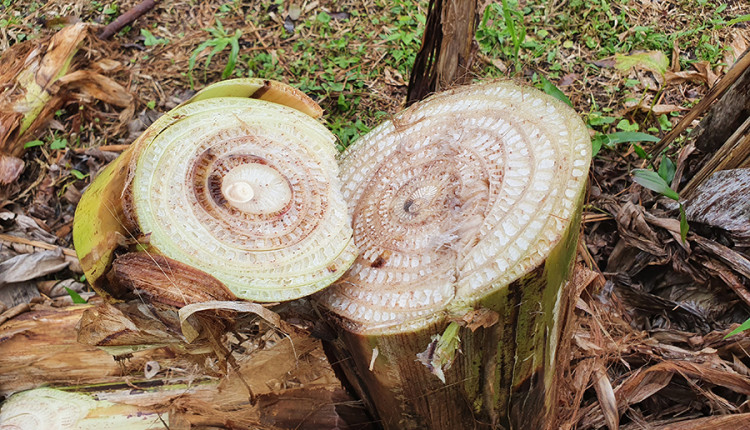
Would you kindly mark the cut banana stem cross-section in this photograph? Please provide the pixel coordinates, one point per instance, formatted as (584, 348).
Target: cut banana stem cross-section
(234, 185)
(465, 211)
(454, 198)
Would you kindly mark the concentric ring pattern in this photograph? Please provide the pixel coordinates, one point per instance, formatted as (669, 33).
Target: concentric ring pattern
(457, 196)
(247, 191)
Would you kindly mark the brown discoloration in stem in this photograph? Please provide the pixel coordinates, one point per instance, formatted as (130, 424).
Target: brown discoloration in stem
(166, 281)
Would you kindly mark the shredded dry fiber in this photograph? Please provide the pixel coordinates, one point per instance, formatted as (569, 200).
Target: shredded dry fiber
(464, 207)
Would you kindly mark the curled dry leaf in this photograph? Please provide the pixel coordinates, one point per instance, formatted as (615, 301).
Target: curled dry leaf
(606, 396)
(675, 78)
(702, 73)
(97, 86)
(190, 331)
(635, 230)
(658, 109)
(27, 73)
(107, 65)
(739, 44)
(29, 266)
(704, 68)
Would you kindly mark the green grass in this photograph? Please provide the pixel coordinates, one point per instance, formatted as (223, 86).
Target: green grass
(354, 58)
(220, 40)
(534, 42)
(336, 60)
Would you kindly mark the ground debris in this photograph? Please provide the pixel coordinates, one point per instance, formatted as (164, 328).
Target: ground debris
(722, 201)
(39, 78)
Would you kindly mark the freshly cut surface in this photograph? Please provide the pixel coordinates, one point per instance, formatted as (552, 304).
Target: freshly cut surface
(245, 190)
(47, 408)
(454, 199)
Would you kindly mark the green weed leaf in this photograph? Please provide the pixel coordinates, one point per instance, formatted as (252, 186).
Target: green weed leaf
(651, 180)
(550, 88)
(744, 326)
(77, 299)
(684, 227)
(664, 122)
(597, 142)
(235, 50)
(219, 42)
(667, 169)
(196, 51)
(151, 40)
(323, 17)
(640, 151)
(739, 19)
(630, 136)
(78, 174)
(608, 140)
(654, 61)
(595, 119)
(625, 125)
(58, 144)
(32, 144)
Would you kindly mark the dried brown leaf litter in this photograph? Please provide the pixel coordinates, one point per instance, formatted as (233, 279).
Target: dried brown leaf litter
(36, 79)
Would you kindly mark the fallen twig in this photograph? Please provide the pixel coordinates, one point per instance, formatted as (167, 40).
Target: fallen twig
(108, 148)
(126, 18)
(7, 238)
(70, 255)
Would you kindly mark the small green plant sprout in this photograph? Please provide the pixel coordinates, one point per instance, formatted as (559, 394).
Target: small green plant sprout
(550, 88)
(78, 174)
(516, 30)
(55, 143)
(150, 40)
(742, 327)
(32, 144)
(221, 39)
(77, 299)
(608, 141)
(655, 182)
(58, 143)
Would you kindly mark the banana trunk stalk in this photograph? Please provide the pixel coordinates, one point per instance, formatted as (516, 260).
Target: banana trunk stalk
(465, 208)
(86, 388)
(239, 183)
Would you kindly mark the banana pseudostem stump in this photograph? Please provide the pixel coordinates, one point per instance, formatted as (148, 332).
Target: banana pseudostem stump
(465, 209)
